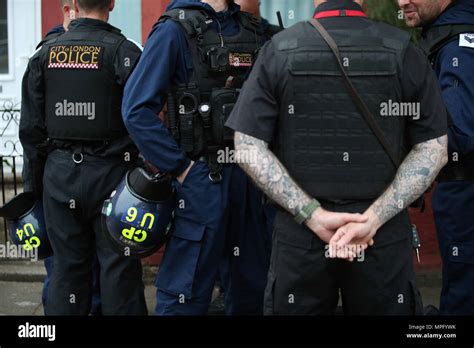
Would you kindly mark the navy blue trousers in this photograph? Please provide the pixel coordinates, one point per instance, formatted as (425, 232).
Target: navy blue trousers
(453, 207)
(222, 227)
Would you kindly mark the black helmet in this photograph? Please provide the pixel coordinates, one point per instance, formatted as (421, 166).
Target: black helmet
(137, 216)
(25, 224)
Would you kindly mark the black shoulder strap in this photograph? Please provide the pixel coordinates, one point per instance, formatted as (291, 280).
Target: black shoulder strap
(194, 22)
(435, 38)
(116, 41)
(250, 22)
(363, 109)
(113, 38)
(48, 38)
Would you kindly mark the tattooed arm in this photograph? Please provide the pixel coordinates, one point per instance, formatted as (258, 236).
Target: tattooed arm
(270, 175)
(275, 181)
(414, 177)
(417, 172)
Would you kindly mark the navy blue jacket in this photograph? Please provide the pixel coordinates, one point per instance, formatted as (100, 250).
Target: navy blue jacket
(166, 61)
(457, 82)
(59, 29)
(52, 33)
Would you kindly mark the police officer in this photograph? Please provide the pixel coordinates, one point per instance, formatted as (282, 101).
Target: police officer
(195, 60)
(250, 226)
(448, 40)
(76, 151)
(331, 170)
(69, 14)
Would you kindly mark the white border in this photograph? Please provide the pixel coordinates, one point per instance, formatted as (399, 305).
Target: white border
(11, 45)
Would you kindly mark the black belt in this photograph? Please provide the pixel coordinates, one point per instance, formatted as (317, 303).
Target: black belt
(72, 144)
(456, 173)
(79, 150)
(343, 201)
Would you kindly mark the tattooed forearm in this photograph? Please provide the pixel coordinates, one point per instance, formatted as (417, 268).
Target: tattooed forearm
(414, 177)
(269, 174)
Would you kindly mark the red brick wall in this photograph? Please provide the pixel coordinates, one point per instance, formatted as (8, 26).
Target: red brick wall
(50, 14)
(151, 11)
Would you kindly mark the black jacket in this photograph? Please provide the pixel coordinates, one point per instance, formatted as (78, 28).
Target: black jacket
(33, 134)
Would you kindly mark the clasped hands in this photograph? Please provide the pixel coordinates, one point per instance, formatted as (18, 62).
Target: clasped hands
(347, 234)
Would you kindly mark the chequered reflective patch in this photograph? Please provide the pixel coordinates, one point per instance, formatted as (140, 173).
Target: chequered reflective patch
(73, 66)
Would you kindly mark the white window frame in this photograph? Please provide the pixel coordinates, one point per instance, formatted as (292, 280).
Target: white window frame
(11, 46)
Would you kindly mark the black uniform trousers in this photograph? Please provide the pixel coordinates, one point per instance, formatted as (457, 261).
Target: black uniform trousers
(73, 196)
(302, 280)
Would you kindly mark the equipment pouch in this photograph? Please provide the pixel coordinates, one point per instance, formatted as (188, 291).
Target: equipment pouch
(222, 103)
(191, 134)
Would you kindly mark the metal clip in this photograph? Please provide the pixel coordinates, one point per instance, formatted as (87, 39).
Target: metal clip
(78, 158)
(215, 178)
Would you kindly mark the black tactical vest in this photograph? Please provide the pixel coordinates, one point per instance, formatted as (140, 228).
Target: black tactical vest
(323, 140)
(48, 38)
(198, 110)
(83, 99)
(435, 38)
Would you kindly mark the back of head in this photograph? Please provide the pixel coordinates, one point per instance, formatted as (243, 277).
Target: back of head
(67, 8)
(94, 9)
(94, 5)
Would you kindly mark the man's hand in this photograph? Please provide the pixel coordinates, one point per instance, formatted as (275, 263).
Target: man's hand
(355, 233)
(183, 176)
(325, 224)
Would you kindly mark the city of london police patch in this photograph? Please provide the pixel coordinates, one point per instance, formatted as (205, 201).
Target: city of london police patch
(75, 57)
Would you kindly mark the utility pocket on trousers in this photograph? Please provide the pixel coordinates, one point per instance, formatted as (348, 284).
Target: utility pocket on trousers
(178, 269)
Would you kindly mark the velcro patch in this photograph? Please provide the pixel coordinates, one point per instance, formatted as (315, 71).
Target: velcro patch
(240, 60)
(466, 40)
(75, 57)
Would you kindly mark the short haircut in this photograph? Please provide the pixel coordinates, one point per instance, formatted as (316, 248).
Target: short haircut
(90, 5)
(66, 2)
